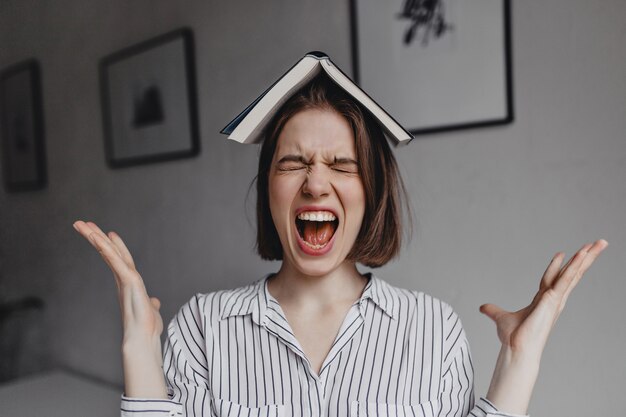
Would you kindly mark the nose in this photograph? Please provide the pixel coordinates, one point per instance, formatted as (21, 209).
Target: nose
(317, 182)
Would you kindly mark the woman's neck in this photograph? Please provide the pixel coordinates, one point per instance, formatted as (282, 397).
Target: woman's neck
(343, 285)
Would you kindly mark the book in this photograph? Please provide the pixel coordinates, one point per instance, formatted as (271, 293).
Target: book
(248, 126)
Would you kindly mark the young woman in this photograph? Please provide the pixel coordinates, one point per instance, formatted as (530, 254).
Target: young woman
(318, 338)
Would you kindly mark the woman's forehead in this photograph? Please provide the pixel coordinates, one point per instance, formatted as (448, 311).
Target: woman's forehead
(316, 131)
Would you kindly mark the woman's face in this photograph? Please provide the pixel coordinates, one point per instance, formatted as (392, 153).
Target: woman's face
(316, 196)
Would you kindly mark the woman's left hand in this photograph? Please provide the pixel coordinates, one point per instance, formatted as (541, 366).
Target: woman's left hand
(526, 331)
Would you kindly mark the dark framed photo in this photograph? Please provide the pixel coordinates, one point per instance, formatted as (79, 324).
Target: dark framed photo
(149, 101)
(435, 65)
(22, 130)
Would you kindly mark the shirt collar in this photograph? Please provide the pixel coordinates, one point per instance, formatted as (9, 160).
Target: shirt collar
(254, 299)
(382, 295)
(245, 300)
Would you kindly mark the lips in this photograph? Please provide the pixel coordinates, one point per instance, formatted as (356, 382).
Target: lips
(316, 229)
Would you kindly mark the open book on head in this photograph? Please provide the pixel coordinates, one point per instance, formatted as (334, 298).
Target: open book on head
(248, 126)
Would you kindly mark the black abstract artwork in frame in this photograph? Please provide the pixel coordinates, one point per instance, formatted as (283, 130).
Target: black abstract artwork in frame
(436, 65)
(149, 101)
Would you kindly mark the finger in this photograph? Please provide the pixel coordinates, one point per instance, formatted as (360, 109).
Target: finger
(100, 244)
(121, 246)
(114, 239)
(585, 247)
(491, 310)
(112, 258)
(552, 270)
(97, 229)
(82, 228)
(592, 254)
(155, 303)
(86, 228)
(568, 272)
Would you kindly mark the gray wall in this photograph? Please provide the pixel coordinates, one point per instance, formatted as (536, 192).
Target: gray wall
(493, 205)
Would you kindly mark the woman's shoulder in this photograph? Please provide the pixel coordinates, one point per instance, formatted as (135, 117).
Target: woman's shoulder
(221, 303)
(422, 311)
(383, 288)
(411, 301)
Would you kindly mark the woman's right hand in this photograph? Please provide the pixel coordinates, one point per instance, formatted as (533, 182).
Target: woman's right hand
(141, 320)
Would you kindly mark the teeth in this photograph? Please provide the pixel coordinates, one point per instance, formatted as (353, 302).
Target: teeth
(316, 247)
(317, 216)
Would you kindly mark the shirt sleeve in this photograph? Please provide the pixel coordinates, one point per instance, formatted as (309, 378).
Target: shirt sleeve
(186, 370)
(457, 394)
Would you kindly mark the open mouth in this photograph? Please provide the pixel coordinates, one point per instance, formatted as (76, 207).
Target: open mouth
(316, 228)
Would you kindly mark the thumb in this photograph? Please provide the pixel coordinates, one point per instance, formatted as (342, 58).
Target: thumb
(491, 310)
(155, 303)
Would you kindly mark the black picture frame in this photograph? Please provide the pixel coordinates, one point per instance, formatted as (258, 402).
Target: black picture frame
(22, 127)
(466, 82)
(149, 101)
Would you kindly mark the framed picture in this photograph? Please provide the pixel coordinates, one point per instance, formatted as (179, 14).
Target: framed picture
(435, 65)
(149, 101)
(21, 127)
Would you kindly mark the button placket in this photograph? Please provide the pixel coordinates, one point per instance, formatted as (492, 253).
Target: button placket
(350, 326)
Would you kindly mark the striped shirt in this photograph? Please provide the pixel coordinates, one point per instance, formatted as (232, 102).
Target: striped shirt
(397, 353)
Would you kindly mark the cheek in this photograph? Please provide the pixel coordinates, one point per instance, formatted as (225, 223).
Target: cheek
(360, 208)
(280, 198)
(274, 199)
(354, 200)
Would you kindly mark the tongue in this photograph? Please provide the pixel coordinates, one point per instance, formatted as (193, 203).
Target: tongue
(317, 233)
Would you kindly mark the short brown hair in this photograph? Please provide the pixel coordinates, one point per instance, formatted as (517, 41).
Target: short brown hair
(380, 237)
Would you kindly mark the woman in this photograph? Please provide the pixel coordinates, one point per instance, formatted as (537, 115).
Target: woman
(319, 338)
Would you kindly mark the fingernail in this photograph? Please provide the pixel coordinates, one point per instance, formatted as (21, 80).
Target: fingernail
(75, 227)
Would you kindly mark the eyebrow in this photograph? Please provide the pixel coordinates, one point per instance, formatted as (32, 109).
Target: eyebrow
(345, 161)
(300, 158)
(292, 158)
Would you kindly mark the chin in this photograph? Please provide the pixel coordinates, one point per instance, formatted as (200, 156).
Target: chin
(316, 265)
(316, 268)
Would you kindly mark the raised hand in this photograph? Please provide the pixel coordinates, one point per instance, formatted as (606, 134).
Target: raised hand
(528, 329)
(141, 319)
(524, 333)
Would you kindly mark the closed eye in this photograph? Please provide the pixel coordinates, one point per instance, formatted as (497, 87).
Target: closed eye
(348, 166)
(290, 167)
(291, 163)
(345, 170)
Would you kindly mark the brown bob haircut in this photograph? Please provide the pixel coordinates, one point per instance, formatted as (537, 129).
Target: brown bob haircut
(380, 237)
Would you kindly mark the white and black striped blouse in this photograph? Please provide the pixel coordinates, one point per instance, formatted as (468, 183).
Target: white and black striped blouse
(397, 353)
